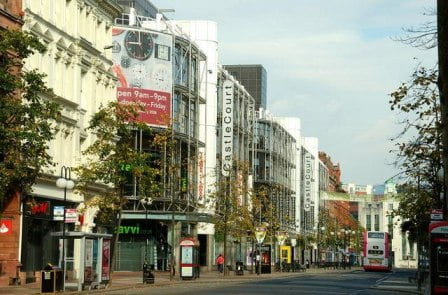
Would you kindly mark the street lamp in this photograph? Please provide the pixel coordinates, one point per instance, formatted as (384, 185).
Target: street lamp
(293, 245)
(320, 232)
(65, 182)
(146, 201)
(345, 232)
(260, 234)
(281, 237)
(441, 177)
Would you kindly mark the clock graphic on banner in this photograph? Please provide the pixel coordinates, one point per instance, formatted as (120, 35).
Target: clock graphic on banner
(139, 45)
(161, 78)
(139, 74)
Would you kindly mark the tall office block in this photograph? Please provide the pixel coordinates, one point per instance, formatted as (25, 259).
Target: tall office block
(254, 79)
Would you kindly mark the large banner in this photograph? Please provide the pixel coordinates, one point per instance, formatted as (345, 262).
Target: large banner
(143, 64)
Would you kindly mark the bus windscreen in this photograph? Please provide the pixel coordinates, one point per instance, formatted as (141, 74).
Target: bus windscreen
(374, 235)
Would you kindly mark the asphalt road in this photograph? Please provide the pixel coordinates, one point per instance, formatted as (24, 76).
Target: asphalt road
(359, 282)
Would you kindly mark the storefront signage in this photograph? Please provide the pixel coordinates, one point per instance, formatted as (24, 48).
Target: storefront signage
(58, 213)
(437, 214)
(227, 128)
(40, 208)
(70, 215)
(308, 181)
(129, 230)
(5, 227)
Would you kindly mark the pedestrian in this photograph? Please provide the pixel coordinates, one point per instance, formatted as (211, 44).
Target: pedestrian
(220, 263)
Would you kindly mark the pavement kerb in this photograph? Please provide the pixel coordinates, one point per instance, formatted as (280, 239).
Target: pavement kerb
(398, 290)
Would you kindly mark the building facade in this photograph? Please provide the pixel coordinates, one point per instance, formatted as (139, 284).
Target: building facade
(79, 70)
(334, 173)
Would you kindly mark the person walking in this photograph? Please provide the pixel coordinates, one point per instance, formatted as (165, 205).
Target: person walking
(220, 263)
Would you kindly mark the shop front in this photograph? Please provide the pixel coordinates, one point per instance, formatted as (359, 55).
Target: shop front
(142, 241)
(39, 245)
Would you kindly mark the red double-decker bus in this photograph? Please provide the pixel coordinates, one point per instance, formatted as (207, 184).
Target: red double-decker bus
(377, 251)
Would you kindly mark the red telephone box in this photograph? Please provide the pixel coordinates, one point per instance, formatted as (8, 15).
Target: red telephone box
(189, 258)
(438, 255)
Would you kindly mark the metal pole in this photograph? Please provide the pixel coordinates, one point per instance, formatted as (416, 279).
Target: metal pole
(63, 241)
(147, 229)
(65, 175)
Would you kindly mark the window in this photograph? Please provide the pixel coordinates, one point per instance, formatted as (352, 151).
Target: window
(377, 222)
(404, 247)
(368, 222)
(390, 226)
(376, 252)
(411, 250)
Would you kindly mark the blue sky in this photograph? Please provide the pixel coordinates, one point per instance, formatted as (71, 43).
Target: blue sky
(331, 63)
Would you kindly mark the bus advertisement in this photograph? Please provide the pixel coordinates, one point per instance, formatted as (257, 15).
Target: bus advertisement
(377, 249)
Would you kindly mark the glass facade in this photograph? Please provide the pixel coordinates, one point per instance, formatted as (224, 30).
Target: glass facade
(274, 169)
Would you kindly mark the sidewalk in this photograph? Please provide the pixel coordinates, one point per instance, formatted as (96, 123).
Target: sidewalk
(129, 280)
(399, 284)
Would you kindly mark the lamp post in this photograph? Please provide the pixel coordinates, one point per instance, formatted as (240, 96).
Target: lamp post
(146, 201)
(345, 232)
(320, 232)
(293, 245)
(441, 177)
(260, 234)
(281, 237)
(65, 182)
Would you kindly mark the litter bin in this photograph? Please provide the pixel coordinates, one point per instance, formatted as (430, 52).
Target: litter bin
(239, 269)
(148, 273)
(52, 279)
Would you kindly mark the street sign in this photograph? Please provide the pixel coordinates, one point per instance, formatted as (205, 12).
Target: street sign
(436, 214)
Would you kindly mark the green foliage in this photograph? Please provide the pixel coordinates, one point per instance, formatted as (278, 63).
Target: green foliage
(419, 149)
(27, 115)
(233, 216)
(115, 127)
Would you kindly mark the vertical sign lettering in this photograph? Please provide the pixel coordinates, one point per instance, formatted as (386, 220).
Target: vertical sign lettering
(227, 127)
(308, 180)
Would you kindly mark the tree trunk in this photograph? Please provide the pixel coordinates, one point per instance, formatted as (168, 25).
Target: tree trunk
(442, 39)
(115, 243)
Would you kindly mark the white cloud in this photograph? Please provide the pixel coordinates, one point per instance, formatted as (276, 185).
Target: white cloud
(332, 63)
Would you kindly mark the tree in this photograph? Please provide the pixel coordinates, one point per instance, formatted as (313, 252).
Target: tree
(113, 161)
(233, 217)
(27, 116)
(419, 149)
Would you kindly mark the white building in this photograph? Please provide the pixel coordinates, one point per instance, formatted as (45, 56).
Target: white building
(375, 214)
(79, 70)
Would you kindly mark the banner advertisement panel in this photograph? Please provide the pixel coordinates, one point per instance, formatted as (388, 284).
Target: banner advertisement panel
(105, 267)
(201, 177)
(143, 64)
(88, 261)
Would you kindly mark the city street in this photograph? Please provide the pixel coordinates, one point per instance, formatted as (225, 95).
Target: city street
(356, 282)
